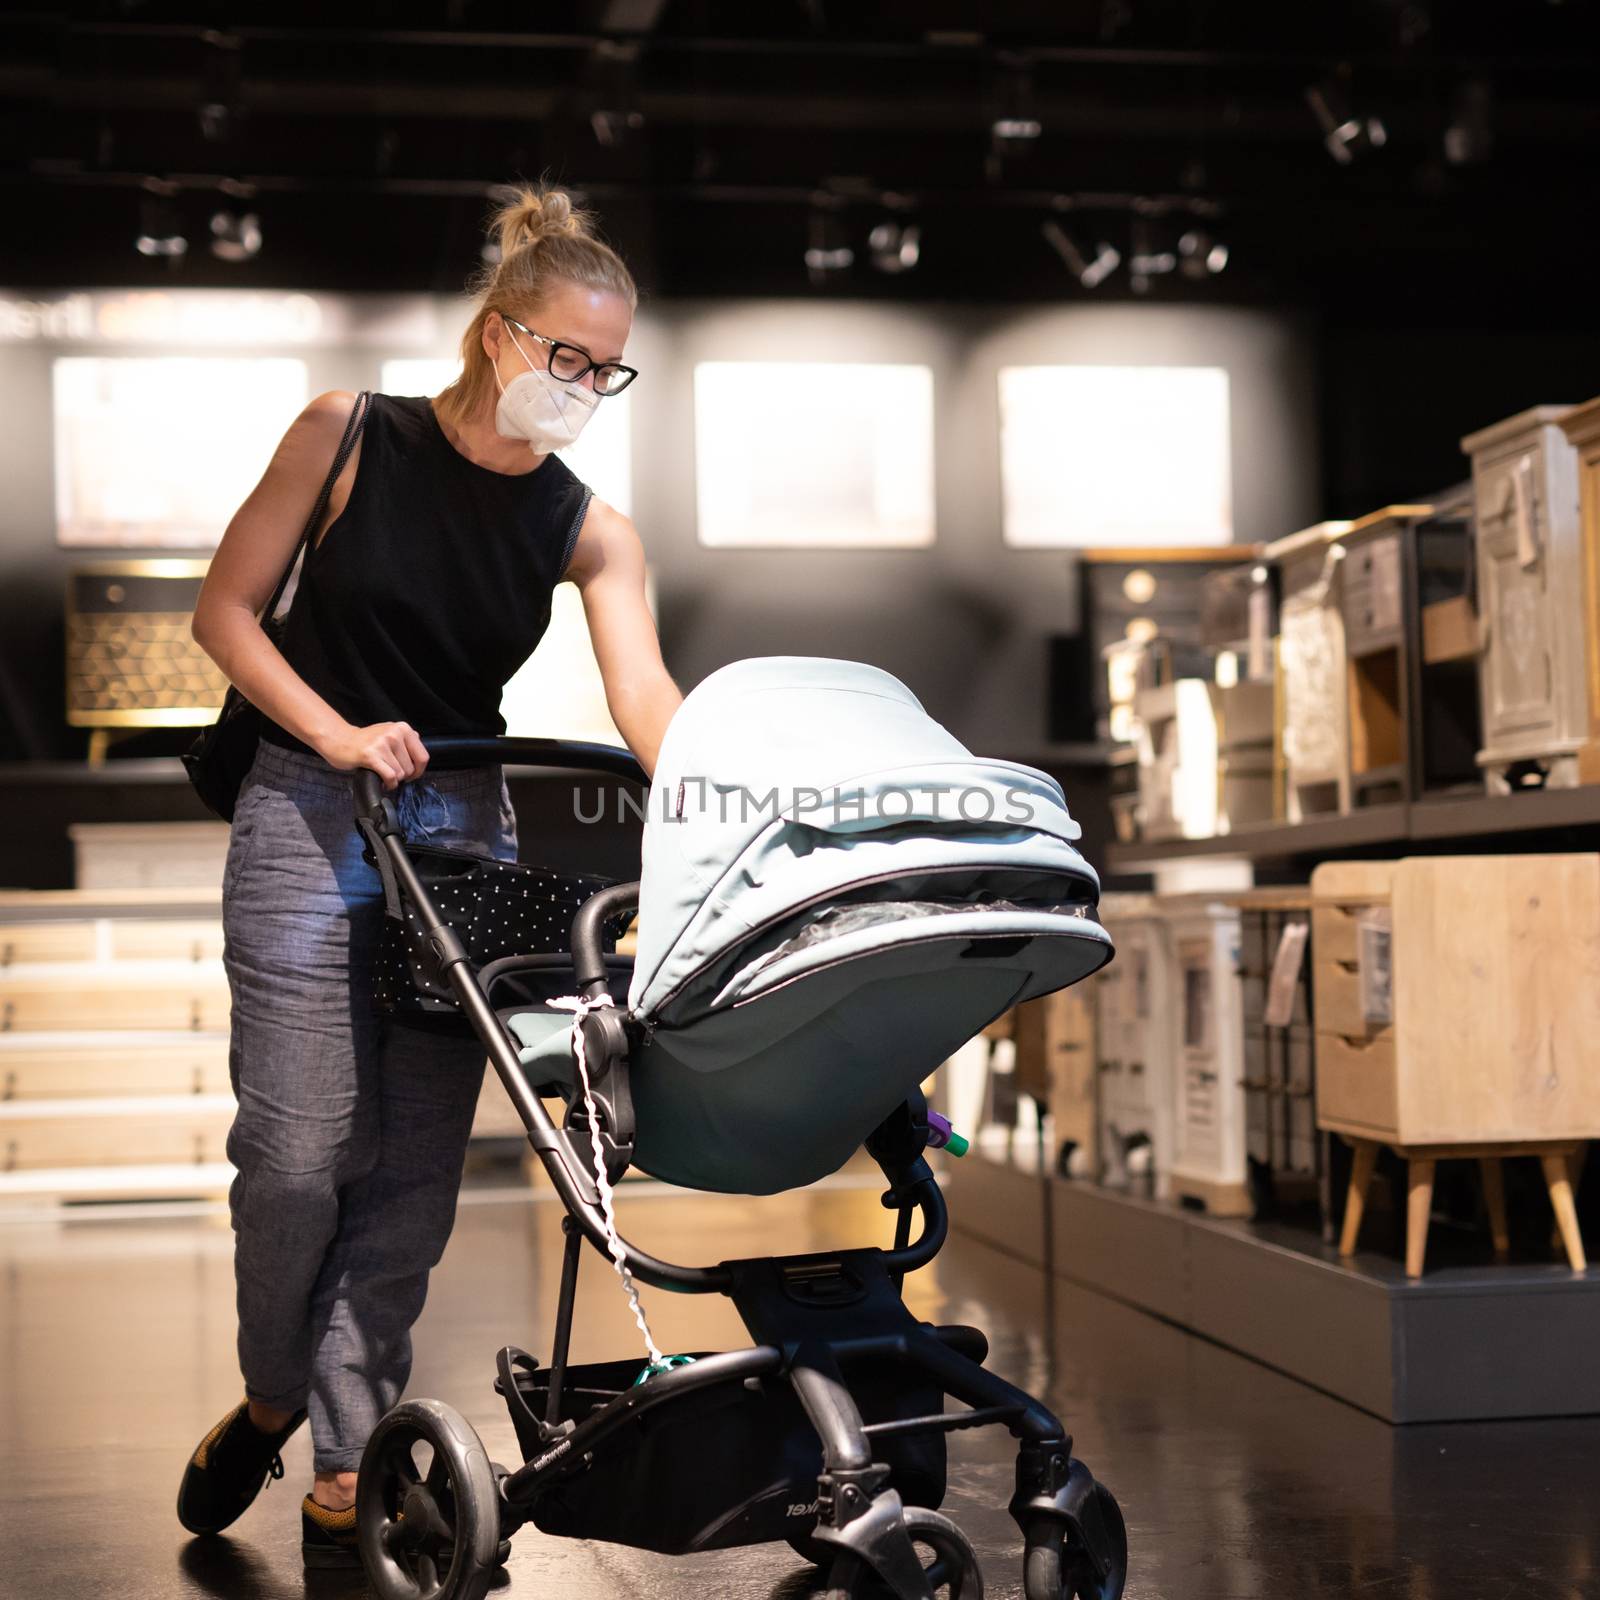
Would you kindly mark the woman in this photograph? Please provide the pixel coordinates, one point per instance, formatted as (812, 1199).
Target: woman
(425, 588)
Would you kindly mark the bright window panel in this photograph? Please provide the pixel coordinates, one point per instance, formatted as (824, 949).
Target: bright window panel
(418, 374)
(800, 455)
(558, 692)
(603, 455)
(159, 451)
(1115, 456)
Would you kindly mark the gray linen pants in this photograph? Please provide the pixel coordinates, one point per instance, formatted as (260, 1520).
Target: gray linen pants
(351, 1132)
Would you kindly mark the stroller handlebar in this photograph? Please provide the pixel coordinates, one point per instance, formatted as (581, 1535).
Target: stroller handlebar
(570, 755)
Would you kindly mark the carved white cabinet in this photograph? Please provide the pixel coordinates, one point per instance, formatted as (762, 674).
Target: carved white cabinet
(1530, 600)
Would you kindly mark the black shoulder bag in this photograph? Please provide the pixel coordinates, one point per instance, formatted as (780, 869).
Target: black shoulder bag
(220, 756)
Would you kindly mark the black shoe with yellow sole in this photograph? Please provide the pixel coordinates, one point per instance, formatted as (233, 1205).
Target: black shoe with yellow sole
(228, 1468)
(328, 1538)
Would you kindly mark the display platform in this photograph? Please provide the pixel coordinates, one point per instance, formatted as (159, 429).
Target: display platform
(1463, 1343)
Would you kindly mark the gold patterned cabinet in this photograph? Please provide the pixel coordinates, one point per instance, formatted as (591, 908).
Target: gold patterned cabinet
(1457, 1002)
(131, 662)
(1581, 426)
(1533, 668)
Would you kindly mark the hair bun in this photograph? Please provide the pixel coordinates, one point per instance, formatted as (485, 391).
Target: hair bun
(532, 215)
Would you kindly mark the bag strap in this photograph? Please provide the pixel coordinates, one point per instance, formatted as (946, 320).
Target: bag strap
(352, 432)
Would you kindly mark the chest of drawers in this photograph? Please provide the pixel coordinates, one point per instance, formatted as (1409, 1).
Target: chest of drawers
(1457, 1001)
(1530, 600)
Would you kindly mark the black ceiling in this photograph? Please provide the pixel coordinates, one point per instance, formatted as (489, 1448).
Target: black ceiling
(716, 137)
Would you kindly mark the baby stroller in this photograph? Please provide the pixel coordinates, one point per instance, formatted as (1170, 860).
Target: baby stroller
(835, 895)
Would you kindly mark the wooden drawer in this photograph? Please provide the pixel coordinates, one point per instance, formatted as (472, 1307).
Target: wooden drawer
(1339, 1002)
(1356, 1087)
(70, 1001)
(1335, 935)
(46, 941)
(1371, 580)
(179, 1129)
(46, 1067)
(162, 940)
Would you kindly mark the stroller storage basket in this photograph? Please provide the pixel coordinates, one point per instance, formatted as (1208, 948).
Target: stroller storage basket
(728, 1465)
(497, 908)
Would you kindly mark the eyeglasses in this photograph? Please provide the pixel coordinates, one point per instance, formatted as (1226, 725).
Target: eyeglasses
(571, 365)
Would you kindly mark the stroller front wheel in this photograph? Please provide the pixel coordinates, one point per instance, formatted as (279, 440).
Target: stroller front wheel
(1057, 1567)
(947, 1556)
(428, 1525)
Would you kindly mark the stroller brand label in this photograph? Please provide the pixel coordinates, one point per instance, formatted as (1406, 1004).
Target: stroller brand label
(552, 1455)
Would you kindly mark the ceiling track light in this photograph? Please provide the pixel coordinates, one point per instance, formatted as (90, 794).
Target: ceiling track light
(1146, 259)
(235, 236)
(828, 250)
(895, 246)
(1469, 136)
(1201, 255)
(161, 231)
(1346, 133)
(615, 77)
(1091, 267)
(1013, 125)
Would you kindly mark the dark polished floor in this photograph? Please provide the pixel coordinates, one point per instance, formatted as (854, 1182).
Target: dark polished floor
(116, 1352)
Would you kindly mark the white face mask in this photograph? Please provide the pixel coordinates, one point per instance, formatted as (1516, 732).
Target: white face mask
(542, 409)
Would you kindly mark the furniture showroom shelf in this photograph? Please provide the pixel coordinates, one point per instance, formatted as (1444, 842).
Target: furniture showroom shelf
(1380, 828)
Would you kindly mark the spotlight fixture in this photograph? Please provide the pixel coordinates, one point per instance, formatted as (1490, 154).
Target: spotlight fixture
(1345, 133)
(895, 246)
(1145, 259)
(1469, 138)
(235, 237)
(1090, 267)
(828, 251)
(1201, 255)
(161, 230)
(614, 75)
(1014, 126)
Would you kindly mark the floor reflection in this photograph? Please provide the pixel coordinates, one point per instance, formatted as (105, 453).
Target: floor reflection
(116, 1352)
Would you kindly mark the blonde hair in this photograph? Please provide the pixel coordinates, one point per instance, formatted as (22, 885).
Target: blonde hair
(543, 241)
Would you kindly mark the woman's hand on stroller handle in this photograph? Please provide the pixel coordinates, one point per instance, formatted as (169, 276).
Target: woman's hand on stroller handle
(393, 751)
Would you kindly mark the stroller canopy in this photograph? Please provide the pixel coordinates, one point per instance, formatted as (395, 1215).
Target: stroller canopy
(835, 895)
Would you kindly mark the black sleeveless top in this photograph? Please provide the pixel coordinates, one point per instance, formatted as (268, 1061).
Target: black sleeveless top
(433, 585)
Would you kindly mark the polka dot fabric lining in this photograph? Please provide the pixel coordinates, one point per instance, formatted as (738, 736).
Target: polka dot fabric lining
(497, 908)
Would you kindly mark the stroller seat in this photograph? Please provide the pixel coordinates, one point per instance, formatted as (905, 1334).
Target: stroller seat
(835, 896)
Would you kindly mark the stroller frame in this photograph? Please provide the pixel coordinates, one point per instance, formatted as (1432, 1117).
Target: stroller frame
(814, 1318)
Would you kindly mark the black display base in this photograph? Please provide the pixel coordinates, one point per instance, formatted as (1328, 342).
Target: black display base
(1464, 1342)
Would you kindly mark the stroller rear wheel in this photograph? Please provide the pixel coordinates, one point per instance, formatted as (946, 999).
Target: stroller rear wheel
(1057, 1567)
(430, 1531)
(948, 1559)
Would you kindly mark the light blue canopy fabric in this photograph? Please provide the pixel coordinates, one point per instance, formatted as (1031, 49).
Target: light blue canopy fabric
(835, 895)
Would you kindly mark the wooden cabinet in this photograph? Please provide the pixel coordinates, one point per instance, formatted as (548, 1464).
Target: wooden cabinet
(1134, 1000)
(1055, 1044)
(1530, 588)
(1581, 426)
(1457, 1004)
(1208, 1158)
